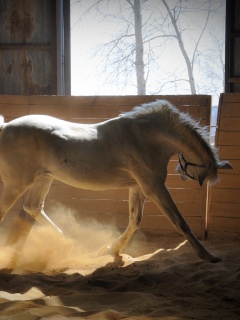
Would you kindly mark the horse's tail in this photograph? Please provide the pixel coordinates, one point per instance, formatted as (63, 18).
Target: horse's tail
(1, 122)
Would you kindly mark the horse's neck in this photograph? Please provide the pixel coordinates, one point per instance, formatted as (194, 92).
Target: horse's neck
(194, 154)
(192, 146)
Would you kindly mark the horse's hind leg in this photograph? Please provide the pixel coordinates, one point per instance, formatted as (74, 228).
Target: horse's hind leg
(10, 194)
(136, 202)
(34, 203)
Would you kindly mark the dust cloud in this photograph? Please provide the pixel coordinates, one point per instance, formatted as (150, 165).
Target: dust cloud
(45, 250)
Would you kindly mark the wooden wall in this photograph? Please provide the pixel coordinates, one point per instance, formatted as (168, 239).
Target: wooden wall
(224, 214)
(111, 207)
(33, 34)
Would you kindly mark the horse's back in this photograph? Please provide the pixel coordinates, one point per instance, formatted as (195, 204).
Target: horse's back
(77, 154)
(21, 142)
(29, 141)
(41, 122)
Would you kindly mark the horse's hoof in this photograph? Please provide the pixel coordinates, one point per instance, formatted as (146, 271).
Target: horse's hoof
(215, 259)
(210, 257)
(107, 250)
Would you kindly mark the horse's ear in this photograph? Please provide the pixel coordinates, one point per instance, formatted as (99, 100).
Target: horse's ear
(224, 165)
(202, 177)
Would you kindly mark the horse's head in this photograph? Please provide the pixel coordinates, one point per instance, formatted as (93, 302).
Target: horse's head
(200, 172)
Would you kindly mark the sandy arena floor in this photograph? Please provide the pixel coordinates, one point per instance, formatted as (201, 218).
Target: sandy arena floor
(57, 277)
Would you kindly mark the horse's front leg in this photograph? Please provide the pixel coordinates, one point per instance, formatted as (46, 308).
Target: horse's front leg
(158, 193)
(136, 203)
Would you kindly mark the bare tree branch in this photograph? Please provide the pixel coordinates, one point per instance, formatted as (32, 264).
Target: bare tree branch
(201, 34)
(182, 48)
(145, 32)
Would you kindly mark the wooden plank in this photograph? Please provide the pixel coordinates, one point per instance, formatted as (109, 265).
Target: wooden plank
(107, 111)
(78, 112)
(224, 224)
(231, 97)
(228, 181)
(229, 124)
(91, 100)
(223, 235)
(186, 100)
(156, 223)
(92, 206)
(228, 138)
(179, 100)
(200, 112)
(175, 182)
(13, 110)
(106, 219)
(159, 222)
(226, 195)
(13, 100)
(229, 153)
(186, 195)
(182, 101)
(226, 209)
(230, 110)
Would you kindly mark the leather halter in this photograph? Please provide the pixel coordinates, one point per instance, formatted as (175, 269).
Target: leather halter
(184, 165)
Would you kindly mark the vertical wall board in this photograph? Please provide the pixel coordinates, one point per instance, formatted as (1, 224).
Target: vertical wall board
(224, 212)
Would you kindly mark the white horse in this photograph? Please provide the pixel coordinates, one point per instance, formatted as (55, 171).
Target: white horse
(130, 151)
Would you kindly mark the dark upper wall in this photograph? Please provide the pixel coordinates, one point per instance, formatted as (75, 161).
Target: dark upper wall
(232, 80)
(30, 61)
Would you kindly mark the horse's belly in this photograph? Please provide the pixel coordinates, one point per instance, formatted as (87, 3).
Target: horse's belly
(96, 179)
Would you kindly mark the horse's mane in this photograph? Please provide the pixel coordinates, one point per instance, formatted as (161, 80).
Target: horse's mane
(158, 106)
(166, 109)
